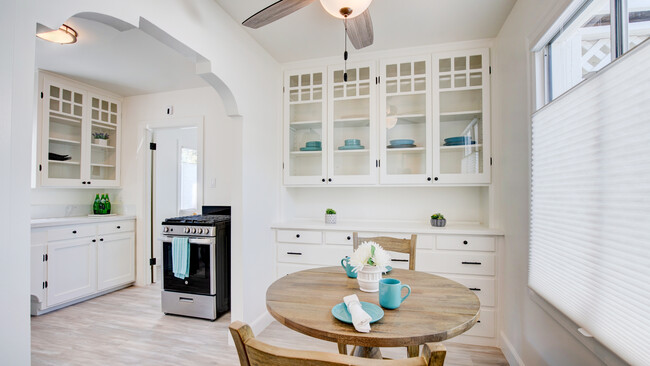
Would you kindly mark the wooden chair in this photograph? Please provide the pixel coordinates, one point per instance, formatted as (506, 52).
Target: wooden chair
(255, 353)
(391, 244)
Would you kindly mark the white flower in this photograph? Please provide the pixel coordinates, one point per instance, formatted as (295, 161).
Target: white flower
(369, 254)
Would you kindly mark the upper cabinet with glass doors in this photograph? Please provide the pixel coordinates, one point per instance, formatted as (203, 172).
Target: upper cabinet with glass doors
(405, 121)
(79, 133)
(305, 161)
(352, 153)
(462, 117)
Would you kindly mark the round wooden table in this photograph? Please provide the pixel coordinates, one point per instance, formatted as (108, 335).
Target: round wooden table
(436, 310)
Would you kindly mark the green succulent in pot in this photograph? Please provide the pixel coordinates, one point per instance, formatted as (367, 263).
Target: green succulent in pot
(438, 220)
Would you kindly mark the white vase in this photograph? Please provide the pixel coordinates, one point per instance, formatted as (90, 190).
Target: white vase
(330, 218)
(368, 278)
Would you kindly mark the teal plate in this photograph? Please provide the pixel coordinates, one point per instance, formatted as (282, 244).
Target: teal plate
(308, 148)
(340, 312)
(352, 147)
(388, 269)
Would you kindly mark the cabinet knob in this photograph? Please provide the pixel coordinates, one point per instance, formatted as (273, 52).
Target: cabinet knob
(118, 226)
(465, 242)
(329, 180)
(429, 179)
(297, 235)
(89, 182)
(436, 178)
(94, 240)
(323, 180)
(74, 231)
(348, 238)
(101, 239)
(84, 182)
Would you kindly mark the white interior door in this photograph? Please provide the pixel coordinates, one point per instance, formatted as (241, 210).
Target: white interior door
(175, 179)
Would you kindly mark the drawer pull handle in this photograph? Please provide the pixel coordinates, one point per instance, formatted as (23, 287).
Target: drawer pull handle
(74, 231)
(101, 239)
(474, 263)
(474, 289)
(185, 299)
(297, 235)
(478, 321)
(348, 238)
(119, 227)
(399, 260)
(465, 242)
(294, 253)
(94, 240)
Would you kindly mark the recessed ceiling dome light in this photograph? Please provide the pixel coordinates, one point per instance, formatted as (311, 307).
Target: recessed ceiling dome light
(345, 8)
(63, 35)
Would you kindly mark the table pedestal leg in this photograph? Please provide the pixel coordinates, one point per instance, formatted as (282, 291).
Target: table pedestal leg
(412, 351)
(367, 352)
(343, 348)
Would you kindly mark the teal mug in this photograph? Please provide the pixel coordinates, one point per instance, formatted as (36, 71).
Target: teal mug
(345, 263)
(390, 293)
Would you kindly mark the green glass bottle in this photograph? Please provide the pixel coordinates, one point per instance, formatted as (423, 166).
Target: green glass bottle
(102, 204)
(96, 205)
(108, 204)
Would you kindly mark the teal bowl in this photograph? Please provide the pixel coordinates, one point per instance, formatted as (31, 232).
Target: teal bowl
(352, 142)
(313, 144)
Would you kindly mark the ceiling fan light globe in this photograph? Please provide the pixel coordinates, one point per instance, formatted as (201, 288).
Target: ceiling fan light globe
(63, 35)
(334, 7)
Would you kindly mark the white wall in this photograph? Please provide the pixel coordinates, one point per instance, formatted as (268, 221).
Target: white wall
(220, 139)
(529, 333)
(16, 99)
(251, 82)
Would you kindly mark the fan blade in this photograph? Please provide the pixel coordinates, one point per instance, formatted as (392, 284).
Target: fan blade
(360, 30)
(274, 12)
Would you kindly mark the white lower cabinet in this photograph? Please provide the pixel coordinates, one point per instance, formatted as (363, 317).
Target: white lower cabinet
(70, 263)
(71, 270)
(470, 260)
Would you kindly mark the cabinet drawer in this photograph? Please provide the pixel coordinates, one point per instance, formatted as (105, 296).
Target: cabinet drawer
(116, 227)
(459, 263)
(486, 326)
(399, 260)
(466, 242)
(484, 288)
(71, 232)
(316, 255)
(338, 237)
(300, 236)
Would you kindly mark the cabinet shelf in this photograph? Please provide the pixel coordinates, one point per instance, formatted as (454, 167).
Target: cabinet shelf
(103, 165)
(306, 102)
(460, 116)
(451, 90)
(65, 119)
(410, 118)
(64, 141)
(406, 93)
(406, 150)
(359, 151)
(102, 146)
(352, 122)
(461, 147)
(105, 125)
(306, 124)
(306, 152)
(359, 97)
(65, 162)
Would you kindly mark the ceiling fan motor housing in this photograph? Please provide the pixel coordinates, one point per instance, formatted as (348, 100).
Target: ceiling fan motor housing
(345, 11)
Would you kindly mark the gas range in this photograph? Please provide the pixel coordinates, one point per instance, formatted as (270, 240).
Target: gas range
(197, 225)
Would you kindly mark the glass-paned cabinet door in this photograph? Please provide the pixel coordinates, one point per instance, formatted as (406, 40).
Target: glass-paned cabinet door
(104, 140)
(305, 139)
(461, 125)
(62, 133)
(351, 125)
(405, 121)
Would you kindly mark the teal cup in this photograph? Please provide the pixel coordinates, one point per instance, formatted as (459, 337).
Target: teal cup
(390, 293)
(345, 263)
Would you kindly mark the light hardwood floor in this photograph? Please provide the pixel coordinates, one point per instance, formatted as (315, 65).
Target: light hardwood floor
(127, 327)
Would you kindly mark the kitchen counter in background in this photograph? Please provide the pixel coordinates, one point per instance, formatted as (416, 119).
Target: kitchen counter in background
(72, 220)
(388, 227)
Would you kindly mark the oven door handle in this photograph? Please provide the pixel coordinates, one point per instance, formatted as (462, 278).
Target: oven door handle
(204, 241)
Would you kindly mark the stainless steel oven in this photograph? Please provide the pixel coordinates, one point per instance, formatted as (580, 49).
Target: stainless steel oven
(202, 277)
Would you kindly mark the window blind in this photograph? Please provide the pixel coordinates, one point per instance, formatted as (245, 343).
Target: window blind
(590, 205)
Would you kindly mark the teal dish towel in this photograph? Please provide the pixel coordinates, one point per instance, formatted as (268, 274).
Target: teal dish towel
(181, 257)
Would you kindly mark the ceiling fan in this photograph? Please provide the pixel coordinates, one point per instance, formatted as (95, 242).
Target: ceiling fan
(355, 15)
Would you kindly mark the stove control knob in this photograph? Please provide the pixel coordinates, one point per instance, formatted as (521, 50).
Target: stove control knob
(200, 231)
(166, 229)
(193, 230)
(186, 230)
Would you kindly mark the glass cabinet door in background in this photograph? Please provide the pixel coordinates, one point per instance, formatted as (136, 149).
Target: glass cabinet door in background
(104, 125)
(461, 125)
(62, 133)
(352, 125)
(405, 121)
(305, 162)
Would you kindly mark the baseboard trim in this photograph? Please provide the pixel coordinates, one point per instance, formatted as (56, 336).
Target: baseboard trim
(263, 321)
(509, 351)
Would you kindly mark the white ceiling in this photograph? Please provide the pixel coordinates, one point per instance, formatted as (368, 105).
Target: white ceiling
(313, 33)
(126, 63)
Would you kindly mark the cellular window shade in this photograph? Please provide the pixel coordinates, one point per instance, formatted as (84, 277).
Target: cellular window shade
(590, 205)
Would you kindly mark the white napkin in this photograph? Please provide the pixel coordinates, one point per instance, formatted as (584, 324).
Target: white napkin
(360, 319)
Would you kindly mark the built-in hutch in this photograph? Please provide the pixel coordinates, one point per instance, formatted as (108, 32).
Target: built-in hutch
(70, 114)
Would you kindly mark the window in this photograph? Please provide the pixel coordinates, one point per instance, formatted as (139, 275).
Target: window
(592, 38)
(188, 179)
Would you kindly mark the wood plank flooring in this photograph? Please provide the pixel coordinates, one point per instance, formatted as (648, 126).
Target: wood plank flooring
(127, 327)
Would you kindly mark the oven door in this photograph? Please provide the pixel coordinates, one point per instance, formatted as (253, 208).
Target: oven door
(202, 278)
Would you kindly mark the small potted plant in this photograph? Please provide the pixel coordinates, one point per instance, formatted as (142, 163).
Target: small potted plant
(330, 216)
(369, 261)
(438, 220)
(100, 138)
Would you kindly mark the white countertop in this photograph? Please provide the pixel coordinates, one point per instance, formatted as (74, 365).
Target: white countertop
(388, 226)
(72, 220)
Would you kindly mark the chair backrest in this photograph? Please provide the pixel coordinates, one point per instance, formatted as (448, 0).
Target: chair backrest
(255, 353)
(391, 244)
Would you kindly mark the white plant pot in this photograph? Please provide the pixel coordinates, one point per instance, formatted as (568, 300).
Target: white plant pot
(330, 219)
(368, 278)
(101, 142)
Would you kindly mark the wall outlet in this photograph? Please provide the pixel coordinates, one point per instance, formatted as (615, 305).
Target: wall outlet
(169, 110)
(213, 183)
